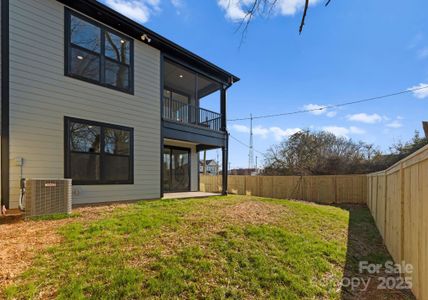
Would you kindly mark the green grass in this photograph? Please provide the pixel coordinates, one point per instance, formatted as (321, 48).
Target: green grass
(199, 248)
(54, 217)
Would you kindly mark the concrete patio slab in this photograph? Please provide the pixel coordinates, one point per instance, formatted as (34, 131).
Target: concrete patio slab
(187, 195)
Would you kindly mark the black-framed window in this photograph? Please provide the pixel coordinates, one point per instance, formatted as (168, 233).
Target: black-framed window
(98, 153)
(97, 54)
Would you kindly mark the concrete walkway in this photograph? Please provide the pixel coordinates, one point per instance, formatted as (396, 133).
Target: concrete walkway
(187, 195)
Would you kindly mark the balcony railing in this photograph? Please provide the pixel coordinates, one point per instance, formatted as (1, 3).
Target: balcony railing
(190, 114)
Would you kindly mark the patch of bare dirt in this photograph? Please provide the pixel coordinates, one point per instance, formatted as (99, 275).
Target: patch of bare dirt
(21, 240)
(254, 212)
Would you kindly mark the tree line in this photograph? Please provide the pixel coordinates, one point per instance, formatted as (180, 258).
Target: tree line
(323, 153)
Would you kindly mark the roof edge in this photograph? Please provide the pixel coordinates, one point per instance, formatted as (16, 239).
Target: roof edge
(124, 24)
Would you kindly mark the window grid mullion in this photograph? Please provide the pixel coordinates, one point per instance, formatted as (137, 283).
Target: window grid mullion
(102, 145)
(102, 55)
(78, 47)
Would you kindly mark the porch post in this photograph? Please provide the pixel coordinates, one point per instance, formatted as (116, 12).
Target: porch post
(225, 163)
(223, 98)
(225, 148)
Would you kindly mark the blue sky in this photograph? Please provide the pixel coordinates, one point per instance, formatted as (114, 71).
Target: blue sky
(348, 51)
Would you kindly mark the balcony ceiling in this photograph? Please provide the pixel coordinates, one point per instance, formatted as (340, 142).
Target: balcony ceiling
(184, 80)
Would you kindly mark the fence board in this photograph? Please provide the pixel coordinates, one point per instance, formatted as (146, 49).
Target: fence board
(322, 189)
(237, 185)
(403, 216)
(393, 216)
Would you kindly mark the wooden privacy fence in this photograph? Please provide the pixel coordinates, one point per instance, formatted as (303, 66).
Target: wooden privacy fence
(322, 189)
(398, 200)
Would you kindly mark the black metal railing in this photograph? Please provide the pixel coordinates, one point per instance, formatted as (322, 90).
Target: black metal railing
(187, 113)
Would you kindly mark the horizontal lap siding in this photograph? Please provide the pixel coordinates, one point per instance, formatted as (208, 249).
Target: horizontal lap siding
(0, 79)
(41, 96)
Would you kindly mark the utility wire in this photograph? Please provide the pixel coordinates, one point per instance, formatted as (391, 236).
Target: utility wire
(245, 145)
(332, 106)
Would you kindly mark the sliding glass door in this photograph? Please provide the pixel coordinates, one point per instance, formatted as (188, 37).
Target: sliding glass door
(176, 169)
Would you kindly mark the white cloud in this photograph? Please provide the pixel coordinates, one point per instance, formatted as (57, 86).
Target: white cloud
(241, 128)
(179, 6)
(421, 92)
(236, 9)
(365, 118)
(290, 7)
(138, 10)
(394, 124)
(331, 114)
(315, 109)
(279, 134)
(319, 110)
(343, 131)
(261, 131)
(233, 8)
(177, 3)
(264, 132)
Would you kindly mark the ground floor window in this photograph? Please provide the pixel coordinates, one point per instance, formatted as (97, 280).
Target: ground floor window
(98, 153)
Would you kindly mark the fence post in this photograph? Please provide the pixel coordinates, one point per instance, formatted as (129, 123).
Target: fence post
(402, 183)
(335, 189)
(385, 208)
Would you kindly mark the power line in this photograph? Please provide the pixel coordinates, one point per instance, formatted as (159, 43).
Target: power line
(244, 144)
(251, 151)
(331, 106)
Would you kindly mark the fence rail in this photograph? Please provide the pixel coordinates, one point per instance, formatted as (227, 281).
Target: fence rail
(323, 189)
(398, 200)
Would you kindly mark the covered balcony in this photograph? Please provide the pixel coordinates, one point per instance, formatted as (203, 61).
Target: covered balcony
(192, 108)
(193, 113)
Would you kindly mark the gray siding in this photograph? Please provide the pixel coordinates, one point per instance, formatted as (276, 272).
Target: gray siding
(40, 97)
(0, 88)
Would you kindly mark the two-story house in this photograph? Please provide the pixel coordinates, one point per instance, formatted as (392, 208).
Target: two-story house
(211, 167)
(91, 95)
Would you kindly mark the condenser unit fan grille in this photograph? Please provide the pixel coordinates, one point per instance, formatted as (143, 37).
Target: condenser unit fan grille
(47, 196)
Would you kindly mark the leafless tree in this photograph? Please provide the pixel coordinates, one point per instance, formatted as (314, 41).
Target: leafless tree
(322, 153)
(265, 7)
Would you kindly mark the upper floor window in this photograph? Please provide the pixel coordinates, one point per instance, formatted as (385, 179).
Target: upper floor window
(98, 54)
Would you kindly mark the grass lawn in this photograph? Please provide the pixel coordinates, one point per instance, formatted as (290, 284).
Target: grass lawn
(221, 247)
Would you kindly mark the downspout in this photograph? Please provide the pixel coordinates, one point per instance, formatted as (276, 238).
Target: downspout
(225, 149)
(162, 74)
(4, 105)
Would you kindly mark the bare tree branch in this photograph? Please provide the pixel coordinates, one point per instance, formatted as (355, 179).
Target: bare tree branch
(305, 11)
(266, 7)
